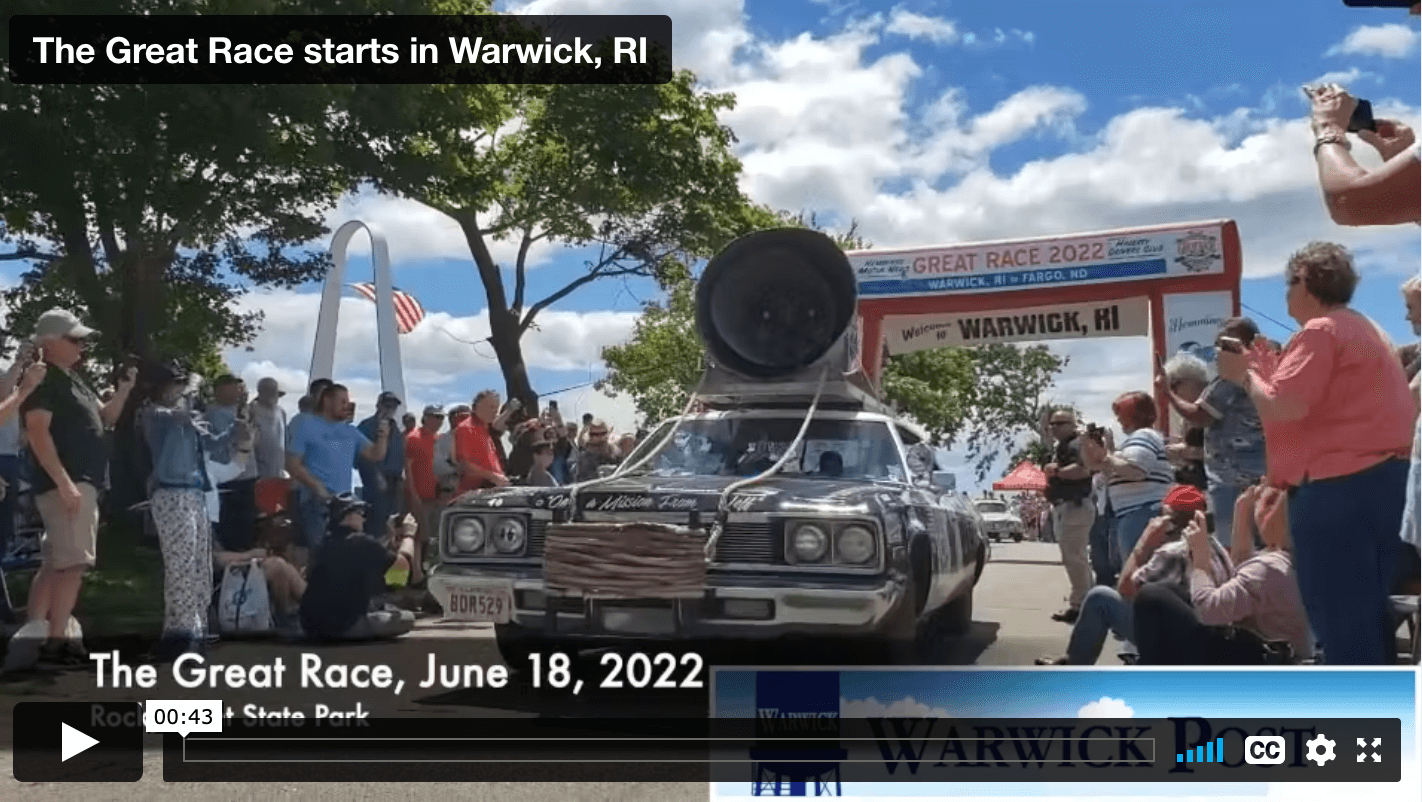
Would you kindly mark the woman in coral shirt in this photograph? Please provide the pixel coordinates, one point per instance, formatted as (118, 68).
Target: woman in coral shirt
(1337, 417)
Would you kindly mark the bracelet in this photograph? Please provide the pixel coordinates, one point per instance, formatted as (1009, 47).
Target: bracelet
(1331, 138)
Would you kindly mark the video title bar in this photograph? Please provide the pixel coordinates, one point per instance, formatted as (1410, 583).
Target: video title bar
(347, 49)
(855, 750)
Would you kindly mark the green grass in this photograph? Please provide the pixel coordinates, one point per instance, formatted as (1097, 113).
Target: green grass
(123, 595)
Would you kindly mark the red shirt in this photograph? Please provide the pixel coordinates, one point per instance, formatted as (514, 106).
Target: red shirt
(473, 443)
(1359, 408)
(419, 454)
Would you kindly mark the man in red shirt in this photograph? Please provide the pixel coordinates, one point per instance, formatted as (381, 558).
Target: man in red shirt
(421, 487)
(474, 449)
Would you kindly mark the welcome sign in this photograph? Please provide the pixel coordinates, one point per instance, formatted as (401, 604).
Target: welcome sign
(1127, 318)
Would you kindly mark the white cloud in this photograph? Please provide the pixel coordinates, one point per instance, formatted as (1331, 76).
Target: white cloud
(1106, 707)
(1348, 77)
(919, 26)
(907, 707)
(1390, 41)
(416, 232)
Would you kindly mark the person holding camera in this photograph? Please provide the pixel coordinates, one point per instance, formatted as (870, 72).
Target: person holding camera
(179, 442)
(1234, 436)
(1138, 475)
(345, 590)
(1072, 510)
(1255, 617)
(1355, 195)
(322, 453)
(382, 481)
(1339, 420)
(1160, 560)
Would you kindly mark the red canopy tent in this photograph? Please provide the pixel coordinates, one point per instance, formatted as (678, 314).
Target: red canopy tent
(1026, 476)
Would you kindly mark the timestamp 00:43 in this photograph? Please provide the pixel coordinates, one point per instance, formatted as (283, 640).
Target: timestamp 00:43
(617, 671)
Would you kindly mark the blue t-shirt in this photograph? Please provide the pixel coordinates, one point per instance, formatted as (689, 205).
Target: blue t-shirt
(1234, 443)
(329, 450)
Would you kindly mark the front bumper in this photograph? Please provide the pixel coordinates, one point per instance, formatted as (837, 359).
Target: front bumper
(736, 606)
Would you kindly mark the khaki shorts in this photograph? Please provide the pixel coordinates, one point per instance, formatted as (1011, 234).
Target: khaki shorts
(69, 540)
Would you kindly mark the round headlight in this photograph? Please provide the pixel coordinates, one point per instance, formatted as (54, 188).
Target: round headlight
(469, 535)
(810, 543)
(509, 535)
(855, 544)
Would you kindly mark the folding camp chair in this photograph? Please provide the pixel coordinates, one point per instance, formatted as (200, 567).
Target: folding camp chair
(23, 554)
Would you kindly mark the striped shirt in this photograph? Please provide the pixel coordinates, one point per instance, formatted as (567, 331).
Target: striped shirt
(1145, 449)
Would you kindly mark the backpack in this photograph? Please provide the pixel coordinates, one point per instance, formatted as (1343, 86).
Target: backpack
(243, 603)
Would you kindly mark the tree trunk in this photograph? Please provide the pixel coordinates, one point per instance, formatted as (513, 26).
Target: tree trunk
(504, 331)
(508, 347)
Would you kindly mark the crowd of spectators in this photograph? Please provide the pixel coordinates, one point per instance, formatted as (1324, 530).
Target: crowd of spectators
(1281, 525)
(230, 481)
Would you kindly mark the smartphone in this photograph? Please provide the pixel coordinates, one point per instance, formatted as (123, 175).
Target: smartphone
(1362, 119)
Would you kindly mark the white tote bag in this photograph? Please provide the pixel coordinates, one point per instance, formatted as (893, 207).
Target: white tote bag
(243, 602)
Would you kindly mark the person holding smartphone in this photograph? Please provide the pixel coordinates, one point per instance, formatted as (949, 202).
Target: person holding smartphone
(1234, 435)
(1355, 195)
(1339, 420)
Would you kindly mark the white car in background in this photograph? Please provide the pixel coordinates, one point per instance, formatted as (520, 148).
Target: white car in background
(999, 521)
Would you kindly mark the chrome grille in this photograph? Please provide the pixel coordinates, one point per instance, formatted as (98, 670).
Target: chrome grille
(749, 542)
(537, 533)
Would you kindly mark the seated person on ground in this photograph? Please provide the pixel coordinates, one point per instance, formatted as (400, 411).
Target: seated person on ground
(1262, 598)
(285, 582)
(345, 591)
(1160, 560)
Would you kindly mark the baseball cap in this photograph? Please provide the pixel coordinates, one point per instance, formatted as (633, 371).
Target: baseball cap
(225, 380)
(61, 323)
(434, 410)
(270, 382)
(388, 398)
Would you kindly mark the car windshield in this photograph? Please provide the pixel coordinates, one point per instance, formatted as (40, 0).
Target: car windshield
(832, 449)
(992, 507)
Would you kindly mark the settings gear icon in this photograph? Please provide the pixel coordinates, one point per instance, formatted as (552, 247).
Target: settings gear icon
(1320, 749)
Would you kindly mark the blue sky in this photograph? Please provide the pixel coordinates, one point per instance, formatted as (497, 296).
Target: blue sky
(934, 123)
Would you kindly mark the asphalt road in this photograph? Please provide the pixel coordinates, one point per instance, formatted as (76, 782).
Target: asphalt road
(1020, 589)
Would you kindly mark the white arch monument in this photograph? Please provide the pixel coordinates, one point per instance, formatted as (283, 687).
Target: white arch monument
(323, 358)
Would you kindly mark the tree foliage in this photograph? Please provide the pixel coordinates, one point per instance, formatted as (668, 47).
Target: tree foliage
(150, 209)
(642, 178)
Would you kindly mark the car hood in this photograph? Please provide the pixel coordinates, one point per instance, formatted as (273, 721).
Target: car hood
(684, 494)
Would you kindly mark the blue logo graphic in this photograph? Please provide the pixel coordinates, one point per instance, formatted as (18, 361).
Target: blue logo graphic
(1212, 752)
(804, 704)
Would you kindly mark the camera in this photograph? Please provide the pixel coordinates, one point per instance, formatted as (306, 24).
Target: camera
(1096, 433)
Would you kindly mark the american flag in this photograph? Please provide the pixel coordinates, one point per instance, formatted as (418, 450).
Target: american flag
(408, 312)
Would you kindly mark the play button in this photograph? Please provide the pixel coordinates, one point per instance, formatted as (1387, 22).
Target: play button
(77, 742)
(72, 742)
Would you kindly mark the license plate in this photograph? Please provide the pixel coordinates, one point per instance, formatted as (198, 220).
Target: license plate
(490, 602)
